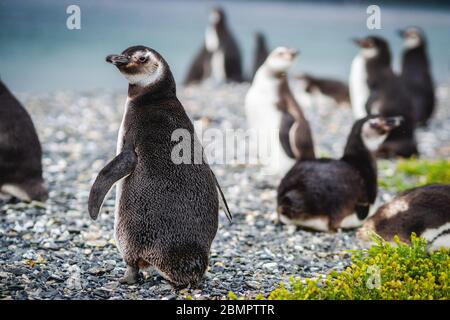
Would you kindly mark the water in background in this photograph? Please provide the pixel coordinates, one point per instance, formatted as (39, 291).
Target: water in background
(38, 52)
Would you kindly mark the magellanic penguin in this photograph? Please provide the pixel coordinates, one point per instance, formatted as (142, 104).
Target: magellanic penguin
(422, 210)
(416, 74)
(275, 117)
(20, 151)
(166, 213)
(219, 58)
(387, 95)
(321, 88)
(328, 194)
(260, 54)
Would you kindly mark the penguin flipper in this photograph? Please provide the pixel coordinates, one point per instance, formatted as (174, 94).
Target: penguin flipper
(222, 199)
(121, 166)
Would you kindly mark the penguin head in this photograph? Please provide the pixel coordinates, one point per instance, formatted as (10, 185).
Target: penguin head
(217, 16)
(141, 66)
(413, 37)
(373, 47)
(281, 59)
(375, 129)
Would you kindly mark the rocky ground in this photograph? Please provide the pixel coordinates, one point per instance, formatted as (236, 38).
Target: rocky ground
(54, 250)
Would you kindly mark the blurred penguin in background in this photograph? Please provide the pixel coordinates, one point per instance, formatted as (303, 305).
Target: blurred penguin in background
(283, 133)
(373, 82)
(20, 152)
(219, 59)
(323, 91)
(416, 74)
(261, 52)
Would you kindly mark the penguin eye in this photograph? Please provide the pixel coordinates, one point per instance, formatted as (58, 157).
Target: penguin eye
(142, 59)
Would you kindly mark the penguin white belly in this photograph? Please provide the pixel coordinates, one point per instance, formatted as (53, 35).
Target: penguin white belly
(264, 120)
(359, 91)
(438, 237)
(352, 221)
(212, 44)
(119, 184)
(218, 66)
(318, 224)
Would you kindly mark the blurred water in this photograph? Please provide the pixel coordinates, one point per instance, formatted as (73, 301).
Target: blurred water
(38, 52)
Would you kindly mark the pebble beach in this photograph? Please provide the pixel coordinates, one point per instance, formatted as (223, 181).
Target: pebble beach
(55, 251)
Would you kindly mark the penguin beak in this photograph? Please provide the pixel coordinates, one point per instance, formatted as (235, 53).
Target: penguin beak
(357, 41)
(117, 59)
(362, 43)
(294, 53)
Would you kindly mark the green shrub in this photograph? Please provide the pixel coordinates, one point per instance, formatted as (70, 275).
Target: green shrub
(413, 173)
(405, 272)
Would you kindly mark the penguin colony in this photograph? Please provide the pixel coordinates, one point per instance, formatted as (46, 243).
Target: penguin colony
(166, 214)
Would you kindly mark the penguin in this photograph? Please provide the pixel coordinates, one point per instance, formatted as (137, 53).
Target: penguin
(220, 57)
(331, 194)
(387, 96)
(423, 210)
(333, 89)
(200, 68)
(275, 117)
(166, 213)
(20, 152)
(416, 74)
(261, 52)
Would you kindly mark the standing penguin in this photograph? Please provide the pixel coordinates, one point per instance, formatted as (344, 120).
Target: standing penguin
(422, 210)
(275, 116)
(329, 194)
(20, 151)
(387, 95)
(416, 74)
(166, 213)
(219, 58)
(261, 52)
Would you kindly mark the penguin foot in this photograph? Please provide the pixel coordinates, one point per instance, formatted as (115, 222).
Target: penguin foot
(131, 276)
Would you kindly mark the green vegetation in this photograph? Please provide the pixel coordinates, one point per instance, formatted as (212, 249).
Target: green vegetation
(413, 173)
(381, 272)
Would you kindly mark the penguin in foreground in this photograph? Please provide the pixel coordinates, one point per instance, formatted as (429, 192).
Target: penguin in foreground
(20, 152)
(422, 210)
(260, 54)
(416, 74)
(220, 57)
(276, 118)
(387, 95)
(322, 88)
(166, 213)
(329, 194)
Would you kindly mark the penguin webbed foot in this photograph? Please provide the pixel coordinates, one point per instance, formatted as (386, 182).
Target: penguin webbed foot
(131, 276)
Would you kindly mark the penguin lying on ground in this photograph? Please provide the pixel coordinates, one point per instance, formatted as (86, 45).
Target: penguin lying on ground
(321, 87)
(20, 151)
(166, 213)
(423, 210)
(260, 54)
(328, 194)
(416, 74)
(275, 116)
(387, 95)
(219, 58)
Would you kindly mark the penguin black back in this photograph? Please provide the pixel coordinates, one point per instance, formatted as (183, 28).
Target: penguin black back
(423, 210)
(416, 74)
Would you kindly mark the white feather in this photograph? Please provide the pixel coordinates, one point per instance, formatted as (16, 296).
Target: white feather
(359, 91)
